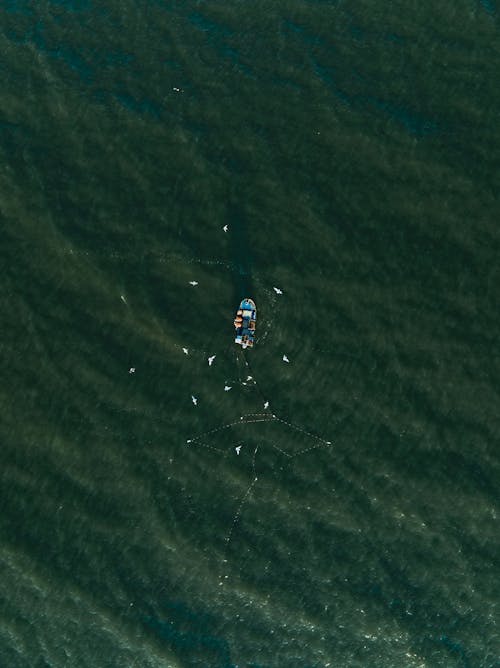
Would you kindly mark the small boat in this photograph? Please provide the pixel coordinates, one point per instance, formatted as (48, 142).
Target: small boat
(244, 323)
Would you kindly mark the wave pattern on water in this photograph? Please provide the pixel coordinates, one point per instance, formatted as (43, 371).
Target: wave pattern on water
(350, 518)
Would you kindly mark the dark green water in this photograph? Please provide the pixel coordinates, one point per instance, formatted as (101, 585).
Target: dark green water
(353, 149)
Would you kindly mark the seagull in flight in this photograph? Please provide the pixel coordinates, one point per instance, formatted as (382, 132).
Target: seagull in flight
(227, 388)
(238, 448)
(185, 351)
(278, 291)
(211, 360)
(266, 404)
(285, 358)
(225, 228)
(193, 283)
(194, 400)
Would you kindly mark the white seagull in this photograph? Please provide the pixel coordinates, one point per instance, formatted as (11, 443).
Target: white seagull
(185, 351)
(132, 369)
(266, 404)
(278, 291)
(194, 400)
(193, 283)
(227, 388)
(238, 448)
(285, 358)
(225, 228)
(249, 378)
(211, 360)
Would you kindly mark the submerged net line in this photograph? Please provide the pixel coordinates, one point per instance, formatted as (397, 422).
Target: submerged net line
(253, 418)
(241, 270)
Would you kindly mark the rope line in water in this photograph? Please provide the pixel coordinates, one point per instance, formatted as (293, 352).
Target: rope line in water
(243, 420)
(240, 508)
(244, 497)
(244, 279)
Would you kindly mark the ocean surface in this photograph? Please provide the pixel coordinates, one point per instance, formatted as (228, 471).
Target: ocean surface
(337, 510)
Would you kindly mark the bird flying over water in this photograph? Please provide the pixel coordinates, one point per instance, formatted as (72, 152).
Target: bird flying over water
(193, 283)
(225, 228)
(185, 351)
(227, 388)
(285, 358)
(211, 360)
(278, 291)
(194, 400)
(266, 404)
(238, 448)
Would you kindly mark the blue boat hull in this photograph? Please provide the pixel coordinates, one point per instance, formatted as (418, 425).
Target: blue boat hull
(244, 323)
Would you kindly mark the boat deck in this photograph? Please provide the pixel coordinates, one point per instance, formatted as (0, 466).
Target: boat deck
(244, 323)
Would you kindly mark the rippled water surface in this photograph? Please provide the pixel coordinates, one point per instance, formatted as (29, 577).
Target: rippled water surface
(339, 509)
